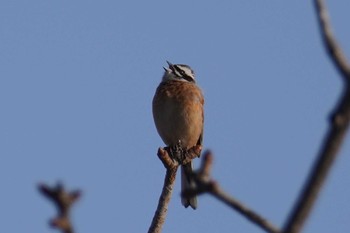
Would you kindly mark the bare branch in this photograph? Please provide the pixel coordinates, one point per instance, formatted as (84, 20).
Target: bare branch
(164, 199)
(321, 168)
(335, 136)
(333, 49)
(205, 184)
(63, 202)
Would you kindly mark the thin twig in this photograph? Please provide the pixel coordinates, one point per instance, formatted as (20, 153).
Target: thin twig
(164, 199)
(63, 201)
(244, 210)
(334, 51)
(339, 123)
(205, 184)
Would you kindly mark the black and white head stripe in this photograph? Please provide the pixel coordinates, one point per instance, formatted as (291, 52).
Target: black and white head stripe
(182, 71)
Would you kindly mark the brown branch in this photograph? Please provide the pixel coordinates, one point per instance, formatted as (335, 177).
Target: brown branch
(335, 136)
(171, 164)
(63, 202)
(164, 199)
(205, 184)
(333, 49)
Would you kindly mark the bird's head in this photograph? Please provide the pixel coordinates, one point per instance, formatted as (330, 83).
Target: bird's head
(178, 72)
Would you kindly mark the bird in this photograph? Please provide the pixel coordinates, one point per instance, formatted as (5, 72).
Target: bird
(178, 114)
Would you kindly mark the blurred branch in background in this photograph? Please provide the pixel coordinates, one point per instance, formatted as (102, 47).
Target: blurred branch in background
(332, 47)
(63, 201)
(205, 184)
(334, 138)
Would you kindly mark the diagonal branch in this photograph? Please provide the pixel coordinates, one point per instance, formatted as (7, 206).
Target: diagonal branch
(205, 184)
(335, 136)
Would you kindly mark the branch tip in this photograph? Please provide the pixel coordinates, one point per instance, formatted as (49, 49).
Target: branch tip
(166, 159)
(63, 201)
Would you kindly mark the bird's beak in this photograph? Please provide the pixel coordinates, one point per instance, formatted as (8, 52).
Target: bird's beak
(166, 69)
(171, 66)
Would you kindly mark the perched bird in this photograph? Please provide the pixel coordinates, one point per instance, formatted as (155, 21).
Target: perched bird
(178, 115)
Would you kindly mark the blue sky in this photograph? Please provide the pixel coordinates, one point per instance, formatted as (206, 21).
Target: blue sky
(76, 83)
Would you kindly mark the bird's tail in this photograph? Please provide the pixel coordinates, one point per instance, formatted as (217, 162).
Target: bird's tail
(187, 182)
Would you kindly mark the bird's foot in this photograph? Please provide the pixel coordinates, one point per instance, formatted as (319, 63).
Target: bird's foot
(176, 152)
